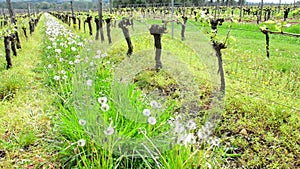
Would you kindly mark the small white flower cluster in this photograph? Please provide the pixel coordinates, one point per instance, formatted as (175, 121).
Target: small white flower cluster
(110, 130)
(99, 55)
(184, 131)
(103, 103)
(61, 39)
(147, 112)
(205, 134)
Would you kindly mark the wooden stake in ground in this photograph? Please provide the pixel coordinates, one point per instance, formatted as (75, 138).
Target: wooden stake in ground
(157, 31)
(73, 16)
(7, 51)
(100, 19)
(261, 11)
(218, 47)
(108, 23)
(123, 25)
(183, 25)
(241, 9)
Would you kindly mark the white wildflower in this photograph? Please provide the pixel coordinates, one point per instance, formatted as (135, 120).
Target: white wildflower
(146, 112)
(102, 100)
(208, 125)
(201, 135)
(103, 55)
(155, 104)
(191, 125)
(152, 120)
(56, 78)
(89, 82)
(80, 43)
(109, 131)
(50, 66)
(58, 51)
(179, 127)
(189, 139)
(82, 122)
(105, 107)
(64, 77)
(81, 142)
(77, 61)
(213, 141)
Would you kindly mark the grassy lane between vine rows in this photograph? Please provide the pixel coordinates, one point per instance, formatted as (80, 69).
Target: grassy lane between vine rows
(25, 107)
(260, 126)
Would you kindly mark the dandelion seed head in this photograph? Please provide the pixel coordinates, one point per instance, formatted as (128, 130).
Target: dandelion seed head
(64, 77)
(102, 100)
(57, 50)
(146, 112)
(109, 131)
(77, 61)
(191, 125)
(201, 135)
(82, 122)
(56, 78)
(179, 127)
(214, 141)
(105, 107)
(81, 142)
(155, 104)
(89, 82)
(152, 120)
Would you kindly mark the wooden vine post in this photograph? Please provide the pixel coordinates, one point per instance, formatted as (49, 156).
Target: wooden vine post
(88, 20)
(7, 51)
(100, 19)
(266, 32)
(73, 16)
(31, 25)
(241, 9)
(123, 25)
(183, 25)
(261, 11)
(218, 47)
(108, 24)
(157, 31)
(8, 38)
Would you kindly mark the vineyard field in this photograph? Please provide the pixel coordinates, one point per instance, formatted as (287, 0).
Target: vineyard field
(164, 93)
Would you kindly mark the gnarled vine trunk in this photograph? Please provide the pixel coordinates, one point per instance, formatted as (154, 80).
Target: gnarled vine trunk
(7, 51)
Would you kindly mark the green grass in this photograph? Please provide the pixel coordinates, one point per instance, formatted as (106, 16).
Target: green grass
(262, 98)
(26, 108)
(259, 95)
